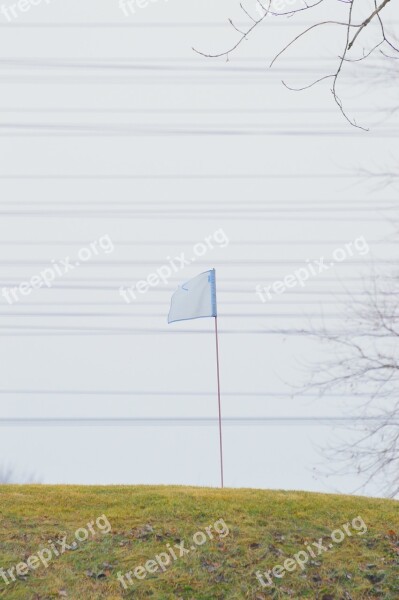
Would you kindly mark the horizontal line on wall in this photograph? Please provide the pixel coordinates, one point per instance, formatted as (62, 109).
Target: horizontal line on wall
(181, 421)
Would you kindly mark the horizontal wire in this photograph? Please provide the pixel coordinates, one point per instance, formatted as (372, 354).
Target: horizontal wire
(219, 205)
(284, 22)
(222, 280)
(264, 315)
(272, 303)
(168, 59)
(183, 59)
(161, 208)
(183, 205)
(198, 176)
(183, 393)
(39, 330)
(209, 217)
(375, 61)
(157, 126)
(180, 111)
(210, 67)
(56, 334)
(182, 421)
(126, 285)
(293, 291)
(186, 242)
(225, 263)
(142, 132)
(201, 211)
(270, 78)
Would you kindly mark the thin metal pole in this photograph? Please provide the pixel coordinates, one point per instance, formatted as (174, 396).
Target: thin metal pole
(219, 403)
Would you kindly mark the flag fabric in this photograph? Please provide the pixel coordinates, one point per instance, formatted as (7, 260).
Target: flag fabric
(194, 299)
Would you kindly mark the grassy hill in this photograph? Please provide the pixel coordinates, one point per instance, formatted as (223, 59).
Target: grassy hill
(226, 537)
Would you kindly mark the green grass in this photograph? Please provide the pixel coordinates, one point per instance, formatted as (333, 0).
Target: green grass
(265, 528)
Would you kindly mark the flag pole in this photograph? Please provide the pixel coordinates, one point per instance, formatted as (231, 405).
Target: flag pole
(219, 403)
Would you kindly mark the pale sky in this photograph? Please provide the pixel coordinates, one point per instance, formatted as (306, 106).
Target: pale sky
(116, 124)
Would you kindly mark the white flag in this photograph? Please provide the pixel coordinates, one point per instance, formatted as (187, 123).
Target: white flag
(194, 299)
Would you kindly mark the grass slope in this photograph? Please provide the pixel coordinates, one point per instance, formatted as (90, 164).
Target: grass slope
(265, 528)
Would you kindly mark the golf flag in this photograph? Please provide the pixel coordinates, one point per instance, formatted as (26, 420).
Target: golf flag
(194, 299)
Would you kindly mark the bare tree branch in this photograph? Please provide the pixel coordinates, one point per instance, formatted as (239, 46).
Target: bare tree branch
(367, 21)
(367, 362)
(349, 44)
